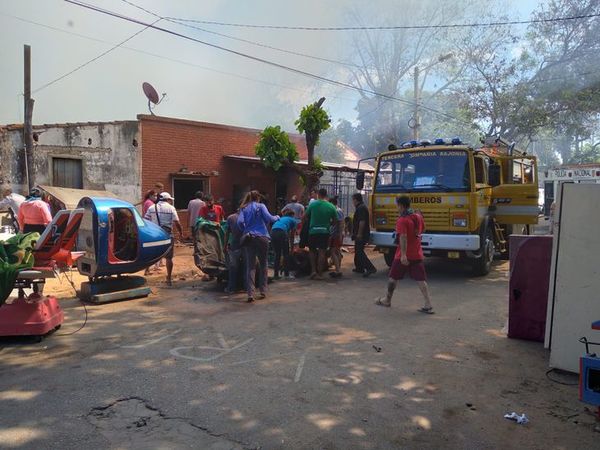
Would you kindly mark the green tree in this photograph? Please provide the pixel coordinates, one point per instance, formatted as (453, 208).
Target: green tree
(586, 154)
(313, 121)
(275, 148)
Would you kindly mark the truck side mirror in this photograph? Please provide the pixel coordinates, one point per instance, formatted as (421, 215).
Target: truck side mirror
(360, 181)
(494, 175)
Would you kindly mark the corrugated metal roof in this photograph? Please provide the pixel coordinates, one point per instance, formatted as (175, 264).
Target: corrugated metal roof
(70, 197)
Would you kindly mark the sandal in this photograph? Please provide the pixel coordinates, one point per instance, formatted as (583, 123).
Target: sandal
(426, 310)
(381, 302)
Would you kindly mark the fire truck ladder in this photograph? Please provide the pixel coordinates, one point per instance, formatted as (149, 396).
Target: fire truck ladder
(499, 238)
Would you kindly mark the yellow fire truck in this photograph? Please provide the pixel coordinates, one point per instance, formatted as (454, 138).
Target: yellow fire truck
(471, 199)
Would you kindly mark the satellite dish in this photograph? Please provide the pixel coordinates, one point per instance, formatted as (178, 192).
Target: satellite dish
(151, 95)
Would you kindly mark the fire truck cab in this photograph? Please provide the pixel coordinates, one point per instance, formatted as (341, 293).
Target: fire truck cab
(471, 199)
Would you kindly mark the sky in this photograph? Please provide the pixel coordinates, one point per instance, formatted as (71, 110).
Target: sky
(201, 83)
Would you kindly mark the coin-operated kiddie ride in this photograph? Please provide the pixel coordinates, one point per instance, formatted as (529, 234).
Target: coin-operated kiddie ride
(589, 373)
(116, 242)
(26, 266)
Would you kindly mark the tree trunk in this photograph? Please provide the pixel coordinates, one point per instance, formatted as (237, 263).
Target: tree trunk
(312, 176)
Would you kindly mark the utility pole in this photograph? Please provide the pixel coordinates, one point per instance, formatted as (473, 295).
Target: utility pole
(417, 116)
(28, 116)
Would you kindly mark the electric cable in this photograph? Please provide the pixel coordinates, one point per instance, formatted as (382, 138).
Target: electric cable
(392, 27)
(85, 320)
(575, 75)
(81, 66)
(264, 61)
(163, 57)
(247, 41)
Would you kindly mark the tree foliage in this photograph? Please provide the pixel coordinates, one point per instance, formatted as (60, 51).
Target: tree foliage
(275, 148)
(313, 121)
(516, 83)
(587, 154)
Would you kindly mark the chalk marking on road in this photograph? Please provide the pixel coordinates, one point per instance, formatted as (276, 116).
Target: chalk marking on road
(222, 341)
(265, 358)
(154, 341)
(176, 352)
(300, 368)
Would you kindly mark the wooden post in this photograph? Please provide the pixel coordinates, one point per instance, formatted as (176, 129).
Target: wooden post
(28, 117)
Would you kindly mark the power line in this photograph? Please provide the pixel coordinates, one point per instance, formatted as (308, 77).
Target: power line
(247, 41)
(390, 27)
(81, 66)
(261, 60)
(166, 58)
(574, 75)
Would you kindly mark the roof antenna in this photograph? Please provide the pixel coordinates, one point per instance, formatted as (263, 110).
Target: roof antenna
(152, 96)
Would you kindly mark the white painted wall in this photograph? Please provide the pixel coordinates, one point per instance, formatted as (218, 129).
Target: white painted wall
(110, 160)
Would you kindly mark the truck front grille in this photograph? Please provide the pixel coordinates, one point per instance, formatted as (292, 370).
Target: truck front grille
(437, 219)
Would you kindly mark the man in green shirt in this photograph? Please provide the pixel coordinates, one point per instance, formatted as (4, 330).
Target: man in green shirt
(319, 217)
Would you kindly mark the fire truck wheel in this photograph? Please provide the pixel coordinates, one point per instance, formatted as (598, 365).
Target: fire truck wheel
(483, 265)
(389, 256)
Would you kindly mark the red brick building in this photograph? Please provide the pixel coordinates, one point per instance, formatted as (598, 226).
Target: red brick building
(187, 156)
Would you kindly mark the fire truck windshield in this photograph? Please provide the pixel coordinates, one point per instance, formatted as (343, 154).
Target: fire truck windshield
(424, 171)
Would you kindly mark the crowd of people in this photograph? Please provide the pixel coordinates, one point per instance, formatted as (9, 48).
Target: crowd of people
(251, 231)
(28, 214)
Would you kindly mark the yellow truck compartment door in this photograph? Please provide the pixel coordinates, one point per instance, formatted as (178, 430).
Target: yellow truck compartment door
(515, 201)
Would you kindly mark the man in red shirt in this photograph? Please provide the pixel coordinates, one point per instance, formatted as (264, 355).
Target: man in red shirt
(409, 254)
(211, 211)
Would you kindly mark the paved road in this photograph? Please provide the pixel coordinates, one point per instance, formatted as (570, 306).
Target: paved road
(190, 368)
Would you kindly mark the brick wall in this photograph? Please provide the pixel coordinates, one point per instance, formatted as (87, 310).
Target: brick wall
(169, 144)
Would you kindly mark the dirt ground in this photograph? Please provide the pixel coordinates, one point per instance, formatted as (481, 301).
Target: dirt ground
(316, 365)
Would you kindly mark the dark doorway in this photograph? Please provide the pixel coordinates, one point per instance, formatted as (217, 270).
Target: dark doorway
(184, 189)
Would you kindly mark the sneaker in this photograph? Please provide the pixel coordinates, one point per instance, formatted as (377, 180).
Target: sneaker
(250, 300)
(291, 277)
(261, 296)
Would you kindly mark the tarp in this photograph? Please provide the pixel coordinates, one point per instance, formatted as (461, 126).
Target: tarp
(209, 254)
(69, 198)
(16, 253)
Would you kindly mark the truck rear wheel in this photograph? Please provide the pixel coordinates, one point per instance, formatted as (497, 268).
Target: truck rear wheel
(389, 256)
(483, 264)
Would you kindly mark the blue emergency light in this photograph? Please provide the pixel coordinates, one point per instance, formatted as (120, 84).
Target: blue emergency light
(456, 141)
(425, 142)
(439, 141)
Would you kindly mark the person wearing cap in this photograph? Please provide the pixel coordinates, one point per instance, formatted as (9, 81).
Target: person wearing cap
(12, 202)
(34, 213)
(165, 215)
